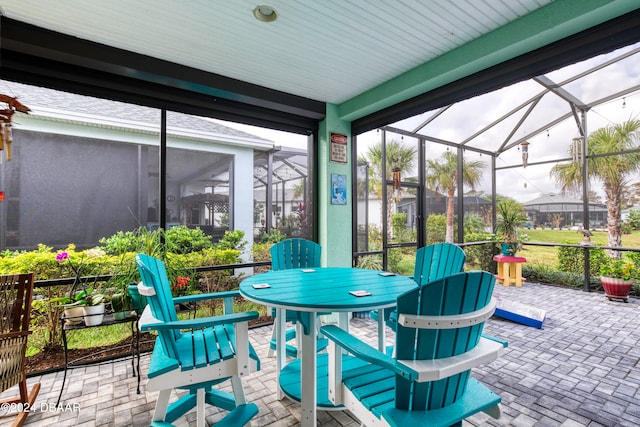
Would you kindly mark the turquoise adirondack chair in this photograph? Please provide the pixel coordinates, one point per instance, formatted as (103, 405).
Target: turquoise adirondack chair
(432, 262)
(285, 255)
(195, 354)
(438, 340)
(295, 253)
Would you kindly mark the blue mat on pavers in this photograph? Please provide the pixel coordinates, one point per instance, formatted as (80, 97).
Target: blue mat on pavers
(520, 313)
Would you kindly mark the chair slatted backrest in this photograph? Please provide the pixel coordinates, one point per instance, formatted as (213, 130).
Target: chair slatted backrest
(456, 294)
(138, 302)
(295, 253)
(15, 302)
(154, 274)
(15, 314)
(437, 261)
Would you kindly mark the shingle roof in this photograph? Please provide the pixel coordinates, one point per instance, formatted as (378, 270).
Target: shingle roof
(556, 198)
(49, 99)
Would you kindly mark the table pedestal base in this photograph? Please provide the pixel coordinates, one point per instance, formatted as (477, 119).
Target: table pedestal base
(290, 379)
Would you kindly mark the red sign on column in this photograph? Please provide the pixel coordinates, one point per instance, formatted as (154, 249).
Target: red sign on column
(339, 148)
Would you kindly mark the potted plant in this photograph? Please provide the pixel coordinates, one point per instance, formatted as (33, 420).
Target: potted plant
(120, 305)
(510, 215)
(93, 309)
(615, 276)
(73, 302)
(72, 305)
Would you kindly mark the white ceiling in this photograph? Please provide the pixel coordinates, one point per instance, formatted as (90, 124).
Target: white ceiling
(331, 50)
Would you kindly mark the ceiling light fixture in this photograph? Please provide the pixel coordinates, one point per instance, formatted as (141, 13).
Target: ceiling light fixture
(265, 13)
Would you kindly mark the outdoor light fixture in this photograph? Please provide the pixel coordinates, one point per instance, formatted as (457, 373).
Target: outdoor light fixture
(525, 153)
(265, 13)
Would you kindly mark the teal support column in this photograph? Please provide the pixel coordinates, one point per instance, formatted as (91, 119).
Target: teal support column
(334, 220)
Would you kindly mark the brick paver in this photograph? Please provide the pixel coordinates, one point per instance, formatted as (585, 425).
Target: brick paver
(581, 369)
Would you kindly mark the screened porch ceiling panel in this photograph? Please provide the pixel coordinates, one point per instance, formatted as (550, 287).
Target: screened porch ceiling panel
(323, 50)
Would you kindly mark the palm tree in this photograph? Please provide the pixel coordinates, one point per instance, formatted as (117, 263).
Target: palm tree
(442, 175)
(613, 171)
(404, 157)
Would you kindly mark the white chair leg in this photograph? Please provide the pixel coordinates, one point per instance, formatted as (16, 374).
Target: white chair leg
(281, 354)
(161, 405)
(271, 352)
(299, 333)
(200, 422)
(238, 391)
(318, 326)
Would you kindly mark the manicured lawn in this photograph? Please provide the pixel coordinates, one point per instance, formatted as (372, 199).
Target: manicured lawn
(549, 255)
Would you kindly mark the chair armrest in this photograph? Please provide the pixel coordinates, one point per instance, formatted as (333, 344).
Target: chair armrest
(436, 369)
(504, 343)
(365, 352)
(200, 322)
(204, 297)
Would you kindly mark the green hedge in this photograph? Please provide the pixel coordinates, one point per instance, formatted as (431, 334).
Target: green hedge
(479, 257)
(571, 259)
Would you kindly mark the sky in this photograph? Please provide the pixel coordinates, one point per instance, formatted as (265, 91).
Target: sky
(467, 117)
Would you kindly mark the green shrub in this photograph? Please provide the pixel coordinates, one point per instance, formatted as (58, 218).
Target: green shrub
(182, 239)
(545, 274)
(394, 258)
(405, 266)
(479, 256)
(375, 238)
(232, 240)
(634, 219)
(260, 251)
(274, 236)
(436, 228)
(571, 259)
(120, 263)
(370, 262)
(398, 224)
(473, 223)
(121, 242)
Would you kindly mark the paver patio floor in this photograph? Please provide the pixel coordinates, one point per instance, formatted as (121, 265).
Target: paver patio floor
(581, 369)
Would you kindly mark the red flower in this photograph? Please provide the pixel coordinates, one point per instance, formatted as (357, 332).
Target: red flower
(182, 281)
(181, 286)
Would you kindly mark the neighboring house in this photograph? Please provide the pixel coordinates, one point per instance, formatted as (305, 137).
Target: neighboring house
(541, 209)
(436, 203)
(84, 168)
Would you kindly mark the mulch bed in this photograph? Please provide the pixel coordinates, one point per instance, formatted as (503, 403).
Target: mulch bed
(52, 360)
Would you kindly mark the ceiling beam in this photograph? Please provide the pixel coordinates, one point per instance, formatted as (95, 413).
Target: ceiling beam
(35, 55)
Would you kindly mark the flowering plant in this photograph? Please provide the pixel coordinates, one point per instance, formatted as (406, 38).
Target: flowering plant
(620, 268)
(181, 287)
(83, 297)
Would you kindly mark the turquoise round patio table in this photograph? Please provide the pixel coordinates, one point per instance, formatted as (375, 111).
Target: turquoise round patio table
(309, 292)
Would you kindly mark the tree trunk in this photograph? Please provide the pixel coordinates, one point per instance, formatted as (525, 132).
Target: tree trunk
(450, 209)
